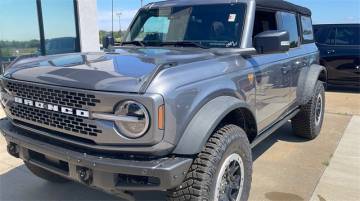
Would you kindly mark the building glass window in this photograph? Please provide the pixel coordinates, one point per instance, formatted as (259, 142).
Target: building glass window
(40, 27)
(19, 29)
(288, 23)
(307, 29)
(59, 24)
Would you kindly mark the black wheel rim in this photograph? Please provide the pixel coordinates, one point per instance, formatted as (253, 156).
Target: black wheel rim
(231, 180)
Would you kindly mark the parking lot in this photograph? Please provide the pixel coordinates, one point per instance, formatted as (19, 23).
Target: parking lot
(285, 167)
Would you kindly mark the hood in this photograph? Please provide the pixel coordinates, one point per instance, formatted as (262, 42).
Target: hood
(124, 70)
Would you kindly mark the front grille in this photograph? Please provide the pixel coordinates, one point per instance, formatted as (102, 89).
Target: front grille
(54, 120)
(54, 96)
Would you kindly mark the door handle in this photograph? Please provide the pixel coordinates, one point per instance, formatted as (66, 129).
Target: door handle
(331, 51)
(301, 63)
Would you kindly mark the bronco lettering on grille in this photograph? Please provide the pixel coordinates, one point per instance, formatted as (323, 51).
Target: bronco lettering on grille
(52, 107)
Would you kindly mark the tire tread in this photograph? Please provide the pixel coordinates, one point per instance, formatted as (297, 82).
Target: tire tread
(303, 123)
(196, 185)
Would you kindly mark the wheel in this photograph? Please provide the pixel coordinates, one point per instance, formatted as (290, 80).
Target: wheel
(221, 172)
(308, 122)
(46, 175)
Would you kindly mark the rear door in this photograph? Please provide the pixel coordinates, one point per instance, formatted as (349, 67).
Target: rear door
(341, 54)
(296, 56)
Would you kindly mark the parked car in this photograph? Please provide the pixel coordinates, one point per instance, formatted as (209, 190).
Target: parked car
(176, 108)
(339, 46)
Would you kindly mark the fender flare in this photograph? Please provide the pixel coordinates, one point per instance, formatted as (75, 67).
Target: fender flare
(308, 81)
(204, 123)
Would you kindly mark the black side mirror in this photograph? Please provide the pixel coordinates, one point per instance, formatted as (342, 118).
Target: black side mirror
(272, 42)
(108, 41)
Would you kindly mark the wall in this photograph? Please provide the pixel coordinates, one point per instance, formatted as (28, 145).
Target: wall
(88, 26)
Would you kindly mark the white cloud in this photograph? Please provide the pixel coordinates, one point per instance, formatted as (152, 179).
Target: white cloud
(105, 17)
(352, 19)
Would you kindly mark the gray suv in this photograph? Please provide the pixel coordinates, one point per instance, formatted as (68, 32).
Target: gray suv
(177, 107)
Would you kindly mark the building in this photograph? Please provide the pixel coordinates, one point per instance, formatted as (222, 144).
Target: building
(46, 27)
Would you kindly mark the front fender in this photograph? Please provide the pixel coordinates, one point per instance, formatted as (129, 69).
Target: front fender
(308, 81)
(204, 123)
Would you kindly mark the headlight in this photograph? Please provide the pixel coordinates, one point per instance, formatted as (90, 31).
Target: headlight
(136, 121)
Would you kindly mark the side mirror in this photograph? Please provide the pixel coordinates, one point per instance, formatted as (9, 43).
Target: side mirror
(272, 42)
(108, 41)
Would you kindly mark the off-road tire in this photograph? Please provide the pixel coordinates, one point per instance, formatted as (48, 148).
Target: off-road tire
(46, 175)
(304, 123)
(200, 181)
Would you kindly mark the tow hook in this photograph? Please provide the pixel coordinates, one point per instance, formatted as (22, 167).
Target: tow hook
(13, 150)
(85, 175)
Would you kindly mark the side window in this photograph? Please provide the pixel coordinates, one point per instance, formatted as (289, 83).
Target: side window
(288, 23)
(347, 36)
(330, 40)
(264, 21)
(307, 30)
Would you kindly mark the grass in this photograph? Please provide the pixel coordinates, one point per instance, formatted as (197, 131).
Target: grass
(11, 52)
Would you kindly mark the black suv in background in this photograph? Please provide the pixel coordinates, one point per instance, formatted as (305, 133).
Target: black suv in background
(339, 46)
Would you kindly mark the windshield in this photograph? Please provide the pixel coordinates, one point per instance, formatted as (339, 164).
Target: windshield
(211, 26)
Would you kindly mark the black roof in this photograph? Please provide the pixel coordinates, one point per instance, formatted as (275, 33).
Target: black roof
(275, 4)
(283, 5)
(338, 25)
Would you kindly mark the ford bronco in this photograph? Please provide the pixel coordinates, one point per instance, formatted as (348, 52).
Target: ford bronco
(177, 107)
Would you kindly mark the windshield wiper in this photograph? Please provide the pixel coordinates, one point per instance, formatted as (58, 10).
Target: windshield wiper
(135, 42)
(185, 43)
(164, 43)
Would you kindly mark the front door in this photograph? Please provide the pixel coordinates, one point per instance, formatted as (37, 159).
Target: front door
(273, 75)
(272, 87)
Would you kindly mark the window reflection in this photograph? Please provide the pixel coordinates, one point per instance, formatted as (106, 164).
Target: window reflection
(19, 29)
(289, 23)
(59, 26)
(308, 34)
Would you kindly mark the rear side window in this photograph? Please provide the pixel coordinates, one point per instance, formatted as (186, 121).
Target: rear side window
(288, 23)
(347, 36)
(341, 36)
(307, 30)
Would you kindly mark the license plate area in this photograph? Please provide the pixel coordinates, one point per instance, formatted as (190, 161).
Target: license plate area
(48, 162)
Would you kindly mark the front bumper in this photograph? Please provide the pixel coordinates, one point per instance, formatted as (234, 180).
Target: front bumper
(108, 174)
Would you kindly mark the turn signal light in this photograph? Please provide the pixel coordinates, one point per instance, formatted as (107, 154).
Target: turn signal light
(161, 117)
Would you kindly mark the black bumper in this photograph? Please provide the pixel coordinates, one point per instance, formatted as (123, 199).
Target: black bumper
(108, 174)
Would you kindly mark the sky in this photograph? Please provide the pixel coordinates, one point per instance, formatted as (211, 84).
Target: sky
(21, 21)
(324, 11)
(128, 8)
